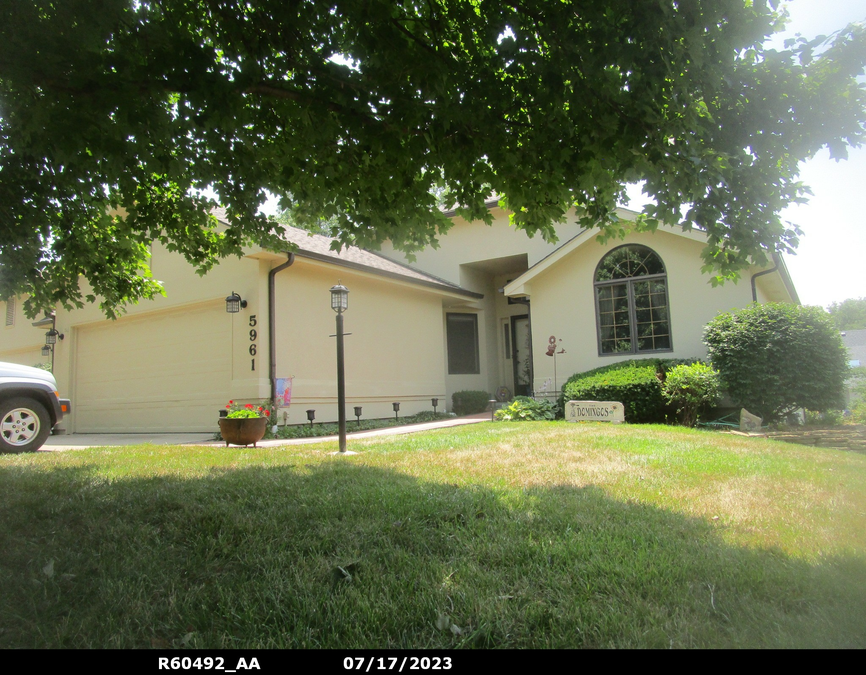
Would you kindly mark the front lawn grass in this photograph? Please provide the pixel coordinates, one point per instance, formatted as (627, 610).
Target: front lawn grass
(491, 535)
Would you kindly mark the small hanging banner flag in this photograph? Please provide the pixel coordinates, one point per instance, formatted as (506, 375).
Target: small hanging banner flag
(284, 392)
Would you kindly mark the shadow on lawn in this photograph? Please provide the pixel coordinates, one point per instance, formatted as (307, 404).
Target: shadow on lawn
(346, 556)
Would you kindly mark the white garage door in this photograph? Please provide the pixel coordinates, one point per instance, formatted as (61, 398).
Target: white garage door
(161, 372)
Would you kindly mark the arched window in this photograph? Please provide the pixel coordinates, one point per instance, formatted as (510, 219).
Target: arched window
(631, 302)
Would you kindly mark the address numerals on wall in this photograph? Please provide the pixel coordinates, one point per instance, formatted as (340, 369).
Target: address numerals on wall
(253, 336)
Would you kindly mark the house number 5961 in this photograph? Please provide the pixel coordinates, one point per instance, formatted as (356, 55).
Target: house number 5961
(253, 336)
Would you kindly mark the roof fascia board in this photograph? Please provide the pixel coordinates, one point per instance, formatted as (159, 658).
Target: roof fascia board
(325, 260)
(786, 278)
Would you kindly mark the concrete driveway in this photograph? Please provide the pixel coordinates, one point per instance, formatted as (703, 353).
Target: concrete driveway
(81, 441)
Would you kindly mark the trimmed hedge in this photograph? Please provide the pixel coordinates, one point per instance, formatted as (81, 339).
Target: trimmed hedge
(776, 357)
(469, 402)
(635, 383)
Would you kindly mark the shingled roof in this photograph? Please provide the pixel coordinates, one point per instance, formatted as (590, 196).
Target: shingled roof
(318, 247)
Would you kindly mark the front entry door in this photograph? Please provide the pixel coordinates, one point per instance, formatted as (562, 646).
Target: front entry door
(521, 356)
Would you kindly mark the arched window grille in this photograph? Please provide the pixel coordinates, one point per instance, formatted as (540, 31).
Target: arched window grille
(631, 302)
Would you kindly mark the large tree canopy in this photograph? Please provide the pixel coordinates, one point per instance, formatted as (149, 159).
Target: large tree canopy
(116, 114)
(849, 314)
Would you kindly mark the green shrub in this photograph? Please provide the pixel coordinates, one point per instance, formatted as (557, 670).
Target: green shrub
(691, 390)
(775, 358)
(659, 366)
(828, 418)
(636, 386)
(858, 395)
(469, 402)
(525, 409)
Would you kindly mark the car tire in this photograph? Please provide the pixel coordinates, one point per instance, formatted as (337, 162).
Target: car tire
(24, 425)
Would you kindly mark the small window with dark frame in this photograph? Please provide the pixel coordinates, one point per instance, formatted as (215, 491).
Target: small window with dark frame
(10, 312)
(462, 337)
(631, 302)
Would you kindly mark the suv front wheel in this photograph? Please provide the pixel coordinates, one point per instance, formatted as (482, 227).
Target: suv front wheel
(24, 425)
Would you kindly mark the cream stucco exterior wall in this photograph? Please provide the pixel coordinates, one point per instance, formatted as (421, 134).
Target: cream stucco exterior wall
(168, 363)
(482, 258)
(171, 363)
(486, 259)
(395, 352)
(563, 304)
(468, 243)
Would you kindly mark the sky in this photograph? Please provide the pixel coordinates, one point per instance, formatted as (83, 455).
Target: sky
(830, 263)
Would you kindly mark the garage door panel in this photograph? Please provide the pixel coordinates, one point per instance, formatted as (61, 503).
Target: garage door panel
(168, 372)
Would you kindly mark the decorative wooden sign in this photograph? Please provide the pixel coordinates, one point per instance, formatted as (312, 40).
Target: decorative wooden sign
(594, 411)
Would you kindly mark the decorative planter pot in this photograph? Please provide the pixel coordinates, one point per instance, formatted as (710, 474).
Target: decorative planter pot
(243, 431)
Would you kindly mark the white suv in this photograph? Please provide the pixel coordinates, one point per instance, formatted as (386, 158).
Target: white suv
(30, 407)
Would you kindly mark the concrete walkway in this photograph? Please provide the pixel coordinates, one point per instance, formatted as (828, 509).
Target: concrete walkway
(81, 441)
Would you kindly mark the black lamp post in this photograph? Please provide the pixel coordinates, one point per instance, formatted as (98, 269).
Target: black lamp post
(358, 414)
(311, 415)
(396, 407)
(340, 303)
(435, 402)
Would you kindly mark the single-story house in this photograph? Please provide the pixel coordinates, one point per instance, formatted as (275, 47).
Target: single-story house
(481, 312)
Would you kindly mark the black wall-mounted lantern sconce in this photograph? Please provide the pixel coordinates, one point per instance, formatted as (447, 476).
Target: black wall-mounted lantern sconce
(358, 414)
(396, 407)
(435, 402)
(234, 304)
(311, 415)
(52, 335)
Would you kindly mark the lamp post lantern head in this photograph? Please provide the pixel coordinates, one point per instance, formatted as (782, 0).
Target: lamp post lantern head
(234, 303)
(46, 350)
(51, 337)
(46, 321)
(339, 298)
